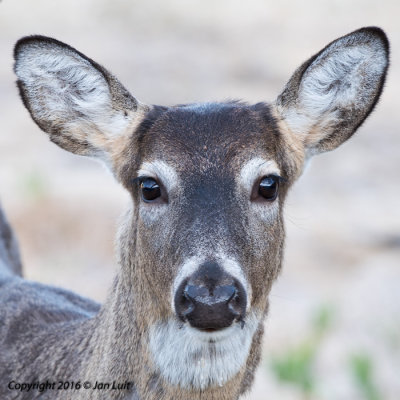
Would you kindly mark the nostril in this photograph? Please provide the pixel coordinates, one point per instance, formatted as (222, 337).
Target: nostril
(183, 302)
(235, 304)
(210, 306)
(224, 293)
(196, 293)
(186, 304)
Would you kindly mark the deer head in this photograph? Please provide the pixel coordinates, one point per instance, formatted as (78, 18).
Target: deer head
(202, 243)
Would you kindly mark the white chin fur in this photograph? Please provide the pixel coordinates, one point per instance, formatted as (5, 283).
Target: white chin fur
(192, 359)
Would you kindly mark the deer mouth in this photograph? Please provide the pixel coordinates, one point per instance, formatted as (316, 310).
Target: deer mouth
(209, 330)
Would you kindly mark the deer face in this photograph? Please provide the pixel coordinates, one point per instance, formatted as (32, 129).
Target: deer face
(207, 181)
(208, 195)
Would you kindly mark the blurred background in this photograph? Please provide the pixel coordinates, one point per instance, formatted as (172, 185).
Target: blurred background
(334, 327)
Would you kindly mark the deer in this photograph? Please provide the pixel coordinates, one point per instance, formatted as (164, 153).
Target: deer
(202, 242)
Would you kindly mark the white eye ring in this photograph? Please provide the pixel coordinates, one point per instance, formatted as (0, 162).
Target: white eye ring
(254, 170)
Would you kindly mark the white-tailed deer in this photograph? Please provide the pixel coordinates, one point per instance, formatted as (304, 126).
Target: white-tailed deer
(202, 243)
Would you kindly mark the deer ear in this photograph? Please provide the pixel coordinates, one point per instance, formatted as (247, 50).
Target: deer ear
(333, 92)
(82, 107)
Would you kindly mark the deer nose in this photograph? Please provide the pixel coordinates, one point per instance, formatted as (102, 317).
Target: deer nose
(210, 299)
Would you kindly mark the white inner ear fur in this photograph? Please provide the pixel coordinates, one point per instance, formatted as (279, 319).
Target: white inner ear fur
(65, 89)
(340, 77)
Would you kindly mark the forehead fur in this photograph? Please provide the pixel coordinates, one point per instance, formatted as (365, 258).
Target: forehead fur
(209, 135)
(213, 138)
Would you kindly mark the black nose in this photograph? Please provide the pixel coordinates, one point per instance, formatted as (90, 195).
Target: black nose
(210, 299)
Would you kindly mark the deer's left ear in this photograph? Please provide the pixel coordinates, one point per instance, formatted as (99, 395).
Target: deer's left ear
(333, 92)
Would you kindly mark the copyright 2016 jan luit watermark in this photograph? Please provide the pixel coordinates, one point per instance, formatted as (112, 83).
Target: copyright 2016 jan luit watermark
(49, 385)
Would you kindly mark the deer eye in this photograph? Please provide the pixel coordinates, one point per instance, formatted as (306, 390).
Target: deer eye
(268, 187)
(150, 189)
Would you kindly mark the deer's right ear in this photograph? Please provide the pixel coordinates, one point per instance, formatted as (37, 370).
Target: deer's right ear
(82, 107)
(333, 92)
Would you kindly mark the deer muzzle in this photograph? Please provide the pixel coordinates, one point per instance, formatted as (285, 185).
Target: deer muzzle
(210, 299)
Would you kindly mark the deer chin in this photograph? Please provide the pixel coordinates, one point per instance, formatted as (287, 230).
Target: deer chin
(194, 359)
(212, 336)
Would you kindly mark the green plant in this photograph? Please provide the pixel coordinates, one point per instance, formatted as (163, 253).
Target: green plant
(33, 185)
(295, 365)
(362, 371)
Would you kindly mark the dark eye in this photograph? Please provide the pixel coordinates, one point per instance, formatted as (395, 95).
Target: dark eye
(150, 189)
(268, 187)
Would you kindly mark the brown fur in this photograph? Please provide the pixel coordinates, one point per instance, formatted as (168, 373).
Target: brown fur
(49, 333)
